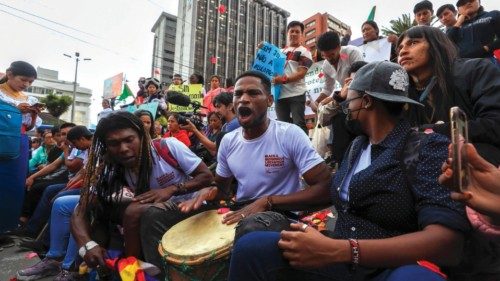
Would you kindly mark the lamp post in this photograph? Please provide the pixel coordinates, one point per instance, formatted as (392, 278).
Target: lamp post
(77, 59)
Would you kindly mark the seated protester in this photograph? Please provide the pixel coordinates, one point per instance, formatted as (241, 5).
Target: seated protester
(439, 80)
(147, 121)
(395, 222)
(81, 138)
(35, 144)
(175, 131)
(129, 180)
(61, 256)
(481, 197)
(280, 154)
(40, 157)
(447, 15)
(206, 149)
(476, 32)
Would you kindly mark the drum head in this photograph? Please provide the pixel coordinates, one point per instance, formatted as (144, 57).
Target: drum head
(202, 235)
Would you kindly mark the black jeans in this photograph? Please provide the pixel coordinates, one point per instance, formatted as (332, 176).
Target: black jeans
(294, 106)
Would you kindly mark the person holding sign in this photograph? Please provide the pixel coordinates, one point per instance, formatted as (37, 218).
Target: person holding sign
(298, 60)
(370, 32)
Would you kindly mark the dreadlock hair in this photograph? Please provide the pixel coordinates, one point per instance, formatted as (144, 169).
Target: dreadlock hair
(103, 176)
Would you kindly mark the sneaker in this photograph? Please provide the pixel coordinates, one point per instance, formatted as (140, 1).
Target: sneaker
(67, 275)
(44, 268)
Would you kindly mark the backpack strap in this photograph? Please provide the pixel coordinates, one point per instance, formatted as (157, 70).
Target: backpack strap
(165, 154)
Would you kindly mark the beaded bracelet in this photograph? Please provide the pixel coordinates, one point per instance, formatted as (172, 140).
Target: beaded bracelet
(355, 253)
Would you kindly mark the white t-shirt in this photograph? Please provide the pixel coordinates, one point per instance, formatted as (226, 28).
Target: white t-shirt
(163, 174)
(296, 88)
(348, 55)
(268, 165)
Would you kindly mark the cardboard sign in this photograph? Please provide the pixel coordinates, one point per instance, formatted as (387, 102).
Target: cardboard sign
(270, 61)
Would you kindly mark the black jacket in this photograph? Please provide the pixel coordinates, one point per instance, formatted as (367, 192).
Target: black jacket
(476, 90)
(477, 32)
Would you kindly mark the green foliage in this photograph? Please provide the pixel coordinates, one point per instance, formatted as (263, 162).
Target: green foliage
(57, 104)
(399, 25)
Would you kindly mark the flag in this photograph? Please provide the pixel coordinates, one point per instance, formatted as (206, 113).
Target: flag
(132, 269)
(125, 93)
(222, 9)
(371, 16)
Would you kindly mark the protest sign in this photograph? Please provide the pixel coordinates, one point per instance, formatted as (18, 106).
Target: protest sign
(315, 81)
(193, 91)
(378, 50)
(270, 61)
(113, 86)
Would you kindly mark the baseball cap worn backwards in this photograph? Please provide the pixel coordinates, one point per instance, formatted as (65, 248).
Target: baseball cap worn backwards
(383, 80)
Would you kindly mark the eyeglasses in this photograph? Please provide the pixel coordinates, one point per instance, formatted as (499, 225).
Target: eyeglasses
(345, 104)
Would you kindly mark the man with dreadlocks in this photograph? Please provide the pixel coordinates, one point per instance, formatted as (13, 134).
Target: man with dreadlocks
(127, 175)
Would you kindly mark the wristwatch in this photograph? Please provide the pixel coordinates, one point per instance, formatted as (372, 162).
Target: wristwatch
(87, 247)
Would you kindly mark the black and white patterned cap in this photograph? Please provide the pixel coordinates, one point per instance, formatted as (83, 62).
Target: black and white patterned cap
(383, 80)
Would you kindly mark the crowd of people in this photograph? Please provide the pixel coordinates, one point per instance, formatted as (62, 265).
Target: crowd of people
(76, 194)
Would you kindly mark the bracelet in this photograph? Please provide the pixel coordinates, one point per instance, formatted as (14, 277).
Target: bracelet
(269, 200)
(87, 247)
(181, 188)
(355, 253)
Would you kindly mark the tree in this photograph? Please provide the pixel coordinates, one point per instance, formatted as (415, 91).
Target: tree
(399, 25)
(57, 105)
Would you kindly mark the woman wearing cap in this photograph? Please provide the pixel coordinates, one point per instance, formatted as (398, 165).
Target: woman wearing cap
(440, 80)
(13, 172)
(395, 222)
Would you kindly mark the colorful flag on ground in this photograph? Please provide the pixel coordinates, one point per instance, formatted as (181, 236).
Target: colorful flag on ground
(371, 16)
(131, 269)
(125, 93)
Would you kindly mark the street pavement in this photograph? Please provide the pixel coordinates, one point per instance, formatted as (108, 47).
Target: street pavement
(13, 259)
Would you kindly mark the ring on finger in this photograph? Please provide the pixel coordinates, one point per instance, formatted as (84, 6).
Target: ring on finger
(304, 226)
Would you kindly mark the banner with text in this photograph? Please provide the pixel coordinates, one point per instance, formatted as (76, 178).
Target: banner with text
(193, 91)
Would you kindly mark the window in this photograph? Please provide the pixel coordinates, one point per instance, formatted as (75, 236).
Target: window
(310, 32)
(313, 23)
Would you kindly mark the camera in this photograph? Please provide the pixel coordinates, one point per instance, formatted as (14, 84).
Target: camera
(194, 117)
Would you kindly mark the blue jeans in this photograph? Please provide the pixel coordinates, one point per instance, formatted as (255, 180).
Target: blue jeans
(256, 256)
(61, 240)
(41, 214)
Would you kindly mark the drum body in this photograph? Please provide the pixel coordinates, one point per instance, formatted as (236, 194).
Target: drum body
(198, 248)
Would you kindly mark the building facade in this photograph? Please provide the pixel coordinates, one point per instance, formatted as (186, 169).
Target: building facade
(220, 36)
(164, 29)
(318, 24)
(48, 82)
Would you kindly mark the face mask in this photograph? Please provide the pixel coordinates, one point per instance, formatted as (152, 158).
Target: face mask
(353, 126)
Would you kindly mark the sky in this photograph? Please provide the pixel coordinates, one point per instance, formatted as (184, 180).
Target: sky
(116, 34)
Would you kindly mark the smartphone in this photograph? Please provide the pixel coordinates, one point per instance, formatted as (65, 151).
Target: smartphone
(459, 137)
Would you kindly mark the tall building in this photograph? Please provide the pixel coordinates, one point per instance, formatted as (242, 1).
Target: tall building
(221, 36)
(164, 28)
(318, 24)
(48, 82)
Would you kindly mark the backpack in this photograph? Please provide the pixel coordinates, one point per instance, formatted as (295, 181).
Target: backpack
(10, 131)
(165, 154)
